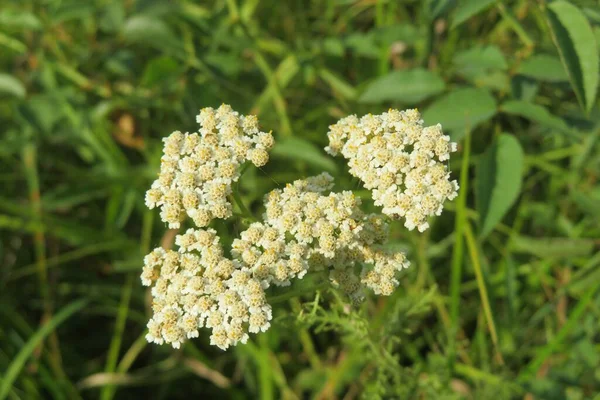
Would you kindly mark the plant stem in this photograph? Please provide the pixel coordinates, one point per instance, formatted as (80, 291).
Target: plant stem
(457, 254)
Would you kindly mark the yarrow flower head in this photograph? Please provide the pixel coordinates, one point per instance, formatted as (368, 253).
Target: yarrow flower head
(197, 169)
(306, 227)
(198, 287)
(400, 161)
(333, 234)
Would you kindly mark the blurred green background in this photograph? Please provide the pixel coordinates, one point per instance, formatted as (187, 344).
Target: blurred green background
(502, 300)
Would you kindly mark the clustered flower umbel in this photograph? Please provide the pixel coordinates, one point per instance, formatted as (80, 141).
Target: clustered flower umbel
(197, 287)
(400, 161)
(198, 169)
(305, 227)
(330, 232)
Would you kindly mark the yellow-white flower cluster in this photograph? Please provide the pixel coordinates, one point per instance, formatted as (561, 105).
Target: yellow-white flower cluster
(197, 169)
(305, 227)
(330, 231)
(197, 287)
(400, 161)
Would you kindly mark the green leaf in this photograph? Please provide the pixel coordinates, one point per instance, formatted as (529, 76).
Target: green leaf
(18, 362)
(498, 181)
(543, 67)
(337, 83)
(303, 150)
(112, 17)
(73, 10)
(333, 46)
(495, 80)
(41, 111)
(468, 8)
(19, 20)
(11, 86)
(549, 247)
(160, 69)
(153, 32)
(363, 45)
(524, 88)
(460, 110)
(576, 43)
(479, 59)
(588, 202)
(534, 113)
(385, 36)
(438, 8)
(408, 86)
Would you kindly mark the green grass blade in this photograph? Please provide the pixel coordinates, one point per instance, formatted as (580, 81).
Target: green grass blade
(553, 345)
(108, 391)
(457, 254)
(19, 361)
(487, 309)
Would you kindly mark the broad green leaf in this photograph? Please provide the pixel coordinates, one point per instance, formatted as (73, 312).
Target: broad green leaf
(437, 8)
(363, 44)
(41, 111)
(19, 361)
(160, 69)
(11, 86)
(75, 10)
(576, 43)
(498, 181)
(534, 112)
(524, 88)
(12, 43)
(151, 31)
(19, 20)
(496, 80)
(478, 60)
(112, 17)
(549, 247)
(543, 67)
(409, 87)
(460, 110)
(333, 46)
(387, 35)
(468, 8)
(303, 150)
(588, 202)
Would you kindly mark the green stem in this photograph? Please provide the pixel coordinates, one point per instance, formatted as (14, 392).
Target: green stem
(487, 309)
(457, 254)
(515, 25)
(243, 209)
(319, 280)
(297, 292)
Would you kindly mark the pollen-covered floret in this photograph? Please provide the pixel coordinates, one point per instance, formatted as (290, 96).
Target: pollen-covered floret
(197, 169)
(400, 161)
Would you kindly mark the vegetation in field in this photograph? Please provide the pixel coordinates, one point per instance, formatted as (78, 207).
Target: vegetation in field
(502, 297)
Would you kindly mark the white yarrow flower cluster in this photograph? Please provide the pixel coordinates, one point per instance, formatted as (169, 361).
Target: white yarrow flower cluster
(400, 161)
(197, 169)
(264, 252)
(333, 233)
(305, 227)
(198, 287)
